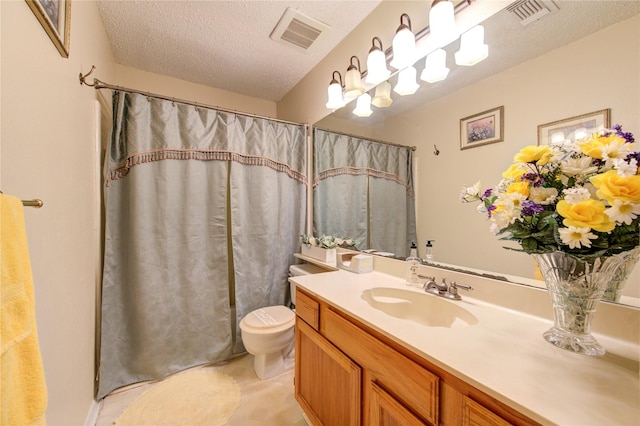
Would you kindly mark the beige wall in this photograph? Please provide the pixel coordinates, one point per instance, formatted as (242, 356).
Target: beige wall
(47, 151)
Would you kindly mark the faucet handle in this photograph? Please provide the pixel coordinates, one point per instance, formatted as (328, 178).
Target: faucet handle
(453, 289)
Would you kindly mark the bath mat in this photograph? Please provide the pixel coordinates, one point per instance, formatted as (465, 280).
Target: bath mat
(202, 397)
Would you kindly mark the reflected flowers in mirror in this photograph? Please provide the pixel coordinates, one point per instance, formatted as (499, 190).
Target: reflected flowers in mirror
(328, 241)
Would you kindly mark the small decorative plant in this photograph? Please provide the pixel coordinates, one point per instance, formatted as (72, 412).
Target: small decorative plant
(328, 241)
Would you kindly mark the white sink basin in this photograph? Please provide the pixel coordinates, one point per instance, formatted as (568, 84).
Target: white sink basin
(421, 308)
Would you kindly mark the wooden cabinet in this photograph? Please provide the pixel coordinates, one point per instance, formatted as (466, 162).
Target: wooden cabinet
(349, 374)
(327, 382)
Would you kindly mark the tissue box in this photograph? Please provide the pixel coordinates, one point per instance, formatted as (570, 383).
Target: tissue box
(358, 263)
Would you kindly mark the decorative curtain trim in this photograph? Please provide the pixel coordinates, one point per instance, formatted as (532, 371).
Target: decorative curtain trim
(122, 170)
(149, 129)
(360, 171)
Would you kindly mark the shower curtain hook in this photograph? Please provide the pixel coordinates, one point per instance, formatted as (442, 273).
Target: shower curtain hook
(83, 77)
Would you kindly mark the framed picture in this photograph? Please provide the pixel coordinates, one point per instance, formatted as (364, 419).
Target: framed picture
(571, 129)
(55, 18)
(482, 129)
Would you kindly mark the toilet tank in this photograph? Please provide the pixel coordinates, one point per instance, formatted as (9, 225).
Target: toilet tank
(302, 269)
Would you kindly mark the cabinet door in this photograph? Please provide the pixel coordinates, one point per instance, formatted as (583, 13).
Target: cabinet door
(474, 414)
(327, 382)
(385, 410)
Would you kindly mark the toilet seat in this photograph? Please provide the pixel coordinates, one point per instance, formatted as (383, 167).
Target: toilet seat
(270, 319)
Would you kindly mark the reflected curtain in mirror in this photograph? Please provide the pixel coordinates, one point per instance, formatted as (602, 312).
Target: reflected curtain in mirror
(363, 189)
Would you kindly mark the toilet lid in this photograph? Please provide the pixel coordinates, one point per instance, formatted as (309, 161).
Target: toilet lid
(271, 316)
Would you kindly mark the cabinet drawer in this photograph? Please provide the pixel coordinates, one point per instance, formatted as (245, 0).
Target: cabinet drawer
(307, 309)
(402, 378)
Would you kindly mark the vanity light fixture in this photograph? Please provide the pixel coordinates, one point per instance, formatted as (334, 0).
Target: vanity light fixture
(406, 82)
(435, 67)
(442, 24)
(334, 93)
(353, 80)
(404, 45)
(363, 106)
(472, 47)
(382, 96)
(377, 71)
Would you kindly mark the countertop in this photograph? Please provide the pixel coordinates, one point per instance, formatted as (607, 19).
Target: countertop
(504, 355)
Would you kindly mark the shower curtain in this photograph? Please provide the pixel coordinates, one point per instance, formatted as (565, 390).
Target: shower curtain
(204, 209)
(363, 189)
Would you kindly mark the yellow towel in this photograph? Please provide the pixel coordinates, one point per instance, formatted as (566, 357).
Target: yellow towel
(23, 392)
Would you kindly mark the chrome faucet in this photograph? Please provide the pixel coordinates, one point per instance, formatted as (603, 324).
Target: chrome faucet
(443, 290)
(431, 286)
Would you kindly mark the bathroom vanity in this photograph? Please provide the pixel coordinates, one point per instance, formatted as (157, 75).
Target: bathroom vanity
(371, 350)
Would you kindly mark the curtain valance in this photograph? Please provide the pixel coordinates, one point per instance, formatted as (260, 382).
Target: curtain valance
(164, 130)
(349, 155)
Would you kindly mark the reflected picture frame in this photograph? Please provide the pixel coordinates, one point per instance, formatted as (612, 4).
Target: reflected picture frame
(55, 18)
(572, 128)
(482, 128)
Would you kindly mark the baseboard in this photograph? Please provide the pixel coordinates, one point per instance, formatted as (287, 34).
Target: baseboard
(92, 415)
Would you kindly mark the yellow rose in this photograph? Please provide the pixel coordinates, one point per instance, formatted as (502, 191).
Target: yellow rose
(611, 186)
(514, 172)
(519, 187)
(587, 213)
(593, 147)
(534, 154)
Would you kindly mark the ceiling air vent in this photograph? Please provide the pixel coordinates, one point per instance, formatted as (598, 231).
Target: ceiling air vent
(298, 30)
(529, 11)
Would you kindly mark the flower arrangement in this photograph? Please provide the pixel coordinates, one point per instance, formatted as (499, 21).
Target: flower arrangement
(328, 241)
(581, 197)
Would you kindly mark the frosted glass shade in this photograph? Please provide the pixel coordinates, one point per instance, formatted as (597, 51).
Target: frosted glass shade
(442, 24)
(435, 67)
(334, 96)
(472, 47)
(376, 67)
(353, 84)
(382, 97)
(404, 48)
(406, 82)
(363, 106)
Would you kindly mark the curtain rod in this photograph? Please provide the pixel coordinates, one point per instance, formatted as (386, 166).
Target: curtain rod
(412, 148)
(97, 84)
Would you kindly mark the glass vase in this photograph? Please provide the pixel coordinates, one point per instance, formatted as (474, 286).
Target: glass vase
(575, 287)
(619, 279)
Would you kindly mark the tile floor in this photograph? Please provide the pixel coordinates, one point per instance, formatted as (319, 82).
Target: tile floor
(262, 402)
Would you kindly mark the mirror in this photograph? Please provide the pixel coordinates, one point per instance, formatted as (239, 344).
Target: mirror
(542, 72)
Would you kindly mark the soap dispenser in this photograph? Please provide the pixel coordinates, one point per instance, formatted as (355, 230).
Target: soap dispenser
(413, 267)
(428, 257)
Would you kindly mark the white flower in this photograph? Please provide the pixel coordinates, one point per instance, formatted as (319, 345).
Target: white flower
(470, 193)
(576, 194)
(543, 196)
(615, 150)
(578, 166)
(626, 169)
(576, 237)
(623, 212)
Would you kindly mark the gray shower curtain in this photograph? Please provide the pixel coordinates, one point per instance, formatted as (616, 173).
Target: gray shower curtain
(363, 189)
(204, 209)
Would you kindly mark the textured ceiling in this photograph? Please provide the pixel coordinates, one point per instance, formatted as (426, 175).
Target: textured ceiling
(223, 44)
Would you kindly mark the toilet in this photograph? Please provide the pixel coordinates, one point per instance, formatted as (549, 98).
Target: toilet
(268, 333)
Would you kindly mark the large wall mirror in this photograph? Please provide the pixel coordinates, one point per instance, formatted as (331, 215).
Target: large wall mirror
(580, 58)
